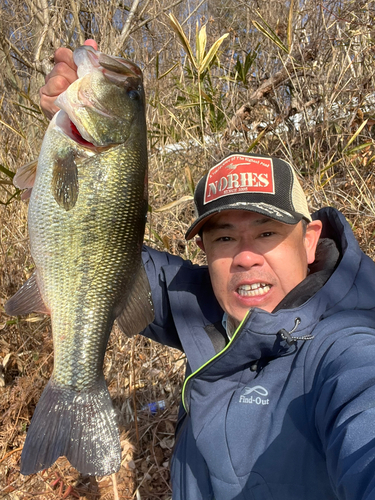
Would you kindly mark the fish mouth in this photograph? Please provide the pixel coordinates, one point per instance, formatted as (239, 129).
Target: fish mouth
(86, 58)
(72, 103)
(70, 129)
(78, 137)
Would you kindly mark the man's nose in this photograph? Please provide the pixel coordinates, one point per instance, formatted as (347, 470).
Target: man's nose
(246, 257)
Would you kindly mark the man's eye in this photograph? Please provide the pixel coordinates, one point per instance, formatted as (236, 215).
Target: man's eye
(266, 234)
(224, 238)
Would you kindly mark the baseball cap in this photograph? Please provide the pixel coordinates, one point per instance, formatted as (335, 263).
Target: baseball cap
(256, 183)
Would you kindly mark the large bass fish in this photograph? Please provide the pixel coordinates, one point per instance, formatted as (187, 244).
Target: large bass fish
(86, 221)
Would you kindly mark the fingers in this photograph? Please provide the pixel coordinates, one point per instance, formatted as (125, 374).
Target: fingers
(92, 43)
(58, 80)
(49, 92)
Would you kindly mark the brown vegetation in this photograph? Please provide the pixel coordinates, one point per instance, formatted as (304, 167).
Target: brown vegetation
(291, 79)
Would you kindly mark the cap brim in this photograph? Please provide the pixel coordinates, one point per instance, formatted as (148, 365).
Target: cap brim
(271, 212)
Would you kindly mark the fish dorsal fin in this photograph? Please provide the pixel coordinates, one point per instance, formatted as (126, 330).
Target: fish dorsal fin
(25, 178)
(28, 299)
(65, 181)
(138, 311)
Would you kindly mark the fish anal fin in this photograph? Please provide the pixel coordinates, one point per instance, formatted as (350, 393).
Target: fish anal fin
(79, 425)
(28, 299)
(138, 311)
(65, 181)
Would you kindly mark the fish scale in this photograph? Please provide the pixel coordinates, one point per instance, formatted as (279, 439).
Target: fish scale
(86, 221)
(100, 257)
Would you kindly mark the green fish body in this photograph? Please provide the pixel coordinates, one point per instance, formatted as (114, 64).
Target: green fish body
(86, 219)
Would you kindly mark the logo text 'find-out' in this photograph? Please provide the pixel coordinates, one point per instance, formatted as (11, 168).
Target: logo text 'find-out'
(255, 395)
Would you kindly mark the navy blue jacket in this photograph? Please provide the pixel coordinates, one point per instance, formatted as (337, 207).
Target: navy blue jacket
(286, 409)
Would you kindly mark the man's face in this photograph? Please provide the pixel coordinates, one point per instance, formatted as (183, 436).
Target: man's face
(254, 261)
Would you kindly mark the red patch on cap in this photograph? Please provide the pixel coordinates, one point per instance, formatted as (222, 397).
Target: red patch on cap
(239, 174)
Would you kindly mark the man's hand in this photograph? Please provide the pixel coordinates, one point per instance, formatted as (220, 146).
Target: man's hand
(62, 75)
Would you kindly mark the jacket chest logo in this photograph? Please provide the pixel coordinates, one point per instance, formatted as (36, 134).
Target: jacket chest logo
(254, 395)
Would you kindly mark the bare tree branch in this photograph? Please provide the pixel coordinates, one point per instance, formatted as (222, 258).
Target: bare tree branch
(35, 11)
(75, 6)
(5, 48)
(270, 85)
(44, 31)
(126, 29)
(146, 21)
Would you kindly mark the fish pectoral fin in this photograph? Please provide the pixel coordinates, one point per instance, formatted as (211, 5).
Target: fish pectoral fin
(25, 178)
(28, 299)
(65, 181)
(138, 311)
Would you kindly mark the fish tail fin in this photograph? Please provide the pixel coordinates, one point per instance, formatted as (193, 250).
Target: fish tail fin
(79, 425)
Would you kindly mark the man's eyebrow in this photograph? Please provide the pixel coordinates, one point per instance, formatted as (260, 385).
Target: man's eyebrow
(263, 220)
(214, 226)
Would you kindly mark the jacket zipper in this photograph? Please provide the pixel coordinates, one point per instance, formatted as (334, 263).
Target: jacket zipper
(187, 383)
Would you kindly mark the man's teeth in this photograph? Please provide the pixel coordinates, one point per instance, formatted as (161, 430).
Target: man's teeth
(252, 290)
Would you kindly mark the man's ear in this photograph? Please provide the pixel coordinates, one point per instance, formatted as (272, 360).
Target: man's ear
(312, 236)
(199, 242)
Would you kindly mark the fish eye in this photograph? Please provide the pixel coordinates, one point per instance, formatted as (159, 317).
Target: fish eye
(134, 94)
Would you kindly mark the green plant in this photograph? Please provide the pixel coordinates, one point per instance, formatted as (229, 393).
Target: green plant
(7, 185)
(201, 62)
(241, 69)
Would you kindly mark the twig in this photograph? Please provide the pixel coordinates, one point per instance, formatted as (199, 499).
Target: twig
(126, 28)
(75, 10)
(146, 21)
(134, 390)
(44, 31)
(115, 489)
(10, 453)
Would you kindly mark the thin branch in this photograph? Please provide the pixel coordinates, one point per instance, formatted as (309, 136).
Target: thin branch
(143, 9)
(35, 11)
(126, 28)
(4, 45)
(22, 57)
(140, 25)
(44, 31)
(75, 6)
(193, 12)
(280, 77)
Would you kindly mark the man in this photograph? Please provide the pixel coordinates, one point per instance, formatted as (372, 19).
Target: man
(279, 333)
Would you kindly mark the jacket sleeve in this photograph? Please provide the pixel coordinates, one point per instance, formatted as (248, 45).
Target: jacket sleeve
(162, 329)
(345, 413)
